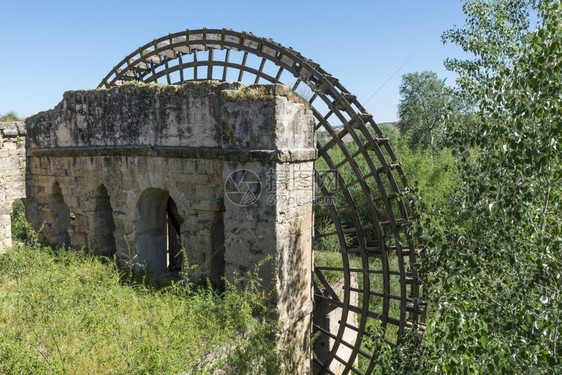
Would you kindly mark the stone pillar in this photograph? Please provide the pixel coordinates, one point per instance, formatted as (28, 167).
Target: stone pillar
(12, 175)
(269, 216)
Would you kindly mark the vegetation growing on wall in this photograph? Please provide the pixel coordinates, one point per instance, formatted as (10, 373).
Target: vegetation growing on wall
(10, 116)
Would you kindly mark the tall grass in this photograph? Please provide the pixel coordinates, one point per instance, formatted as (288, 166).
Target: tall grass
(62, 311)
(10, 116)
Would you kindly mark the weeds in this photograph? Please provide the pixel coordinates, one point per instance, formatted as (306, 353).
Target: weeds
(63, 311)
(10, 116)
(21, 230)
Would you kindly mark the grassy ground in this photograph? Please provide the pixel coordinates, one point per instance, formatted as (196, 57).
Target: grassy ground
(65, 312)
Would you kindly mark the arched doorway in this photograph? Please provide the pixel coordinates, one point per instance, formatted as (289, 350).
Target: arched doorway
(56, 230)
(103, 240)
(158, 240)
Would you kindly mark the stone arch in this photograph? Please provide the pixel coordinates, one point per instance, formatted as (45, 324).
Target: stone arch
(57, 218)
(158, 238)
(103, 239)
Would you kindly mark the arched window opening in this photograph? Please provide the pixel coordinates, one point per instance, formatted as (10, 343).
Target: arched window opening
(158, 240)
(103, 239)
(58, 218)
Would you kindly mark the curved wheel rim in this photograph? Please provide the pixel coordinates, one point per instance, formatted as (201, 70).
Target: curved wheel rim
(371, 227)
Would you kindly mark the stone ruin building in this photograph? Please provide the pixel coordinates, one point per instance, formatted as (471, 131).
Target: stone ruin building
(142, 171)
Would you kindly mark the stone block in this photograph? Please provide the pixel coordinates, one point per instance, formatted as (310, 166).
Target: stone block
(206, 167)
(22, 129)
(207, 204)
(10, 145)
(183, 166)
(9, 163)
(10, 129)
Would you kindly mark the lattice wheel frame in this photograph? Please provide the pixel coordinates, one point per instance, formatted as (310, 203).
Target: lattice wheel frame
(376, 252)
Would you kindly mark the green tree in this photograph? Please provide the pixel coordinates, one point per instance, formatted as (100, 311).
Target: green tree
(495, 280)
(422, 107)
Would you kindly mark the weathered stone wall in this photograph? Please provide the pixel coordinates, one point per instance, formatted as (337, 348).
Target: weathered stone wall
(108, 170)
(12, 175)
(277, 226)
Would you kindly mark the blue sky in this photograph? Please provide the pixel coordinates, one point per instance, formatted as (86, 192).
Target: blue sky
(49, 47)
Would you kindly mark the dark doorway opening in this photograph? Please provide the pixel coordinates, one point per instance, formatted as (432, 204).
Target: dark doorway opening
(104, 226)
(57, 219)
(158, 240)
(174, 249)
